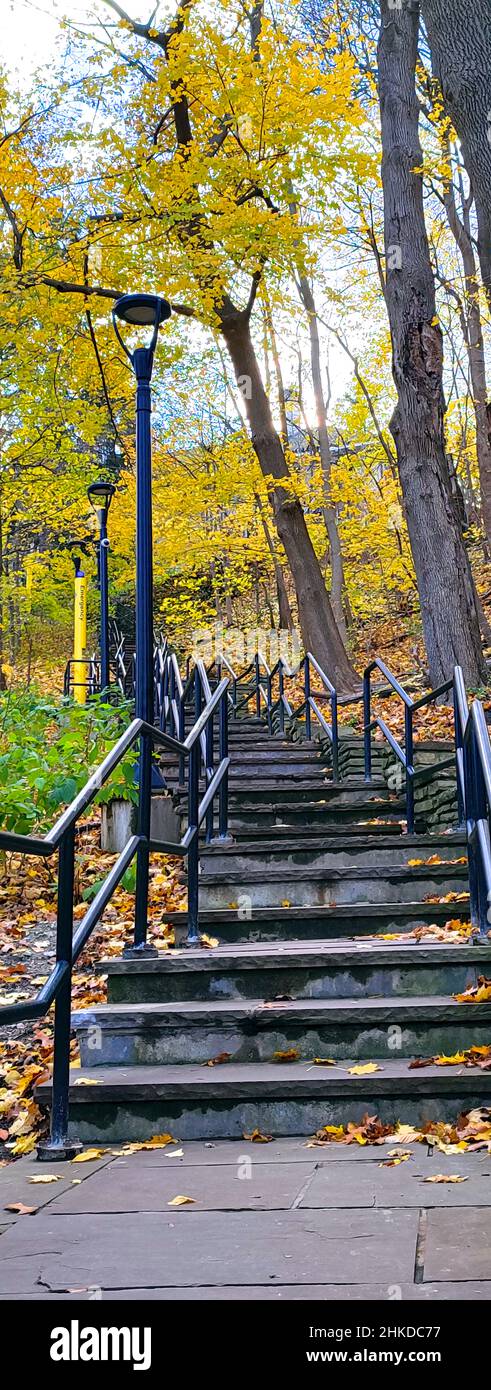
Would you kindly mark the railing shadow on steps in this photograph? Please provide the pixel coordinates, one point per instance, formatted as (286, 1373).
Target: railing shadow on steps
(61, 840)
(471, 757)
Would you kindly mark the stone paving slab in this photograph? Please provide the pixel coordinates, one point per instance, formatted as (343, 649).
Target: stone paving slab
(286, 1293)
(15, 1185)
(325, 1223)
(224, 1151)
(404, 1186)
(126, 1186)
(458, 1245)
(208, 1248)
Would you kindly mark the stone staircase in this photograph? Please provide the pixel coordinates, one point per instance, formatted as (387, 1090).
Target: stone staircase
(194, 1042)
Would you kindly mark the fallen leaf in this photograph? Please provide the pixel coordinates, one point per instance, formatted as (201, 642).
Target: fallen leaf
(47, 1177)
(395, 1159)
(218, 1061)
(291, 1056)
(476, 994)
(257, 1138)
(21, 1208)
(364, 1069)
(88, 1155)
(180, 1201)
(443, 1177)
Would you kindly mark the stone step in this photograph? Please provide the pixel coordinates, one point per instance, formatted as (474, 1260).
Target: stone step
(246, 924)
(254, 1030)
(288, 755)
(303, 815)
(309, 886)
(297, 970)
(317, 834)
(326, 852)
(226, 1102)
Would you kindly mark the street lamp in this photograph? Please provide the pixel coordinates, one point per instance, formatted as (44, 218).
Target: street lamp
(100, 496)
(143, 311)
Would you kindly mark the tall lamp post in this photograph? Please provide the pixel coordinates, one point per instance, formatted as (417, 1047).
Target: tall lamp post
(143, 311)
(100, 496)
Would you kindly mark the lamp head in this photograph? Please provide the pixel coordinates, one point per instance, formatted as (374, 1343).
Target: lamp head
(142, 310)
(100, 495)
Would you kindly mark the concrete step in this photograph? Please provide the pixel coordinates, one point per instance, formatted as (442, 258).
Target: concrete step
(309, 886)
(316, 834)
(255, 1030)
(289, 755)
(246, 924)
(226, 1102)
(297, 970)
(326, 852)
(302, 815)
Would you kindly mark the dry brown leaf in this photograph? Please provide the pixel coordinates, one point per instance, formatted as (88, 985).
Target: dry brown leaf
(181, 1201)
(444, 1177)
(47, 1177)
(219, 1060)
(21, 1208)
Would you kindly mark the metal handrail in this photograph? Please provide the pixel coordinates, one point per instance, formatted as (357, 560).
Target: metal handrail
(404, 755)
(473, 756)
(61, 838)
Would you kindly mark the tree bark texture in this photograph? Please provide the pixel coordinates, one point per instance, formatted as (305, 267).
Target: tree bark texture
(446, 589)
(319, 630)
(459, 32)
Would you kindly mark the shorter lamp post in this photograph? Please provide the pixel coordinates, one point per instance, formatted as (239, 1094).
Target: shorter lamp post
(79, 633)
(143, 311)
(100, 496)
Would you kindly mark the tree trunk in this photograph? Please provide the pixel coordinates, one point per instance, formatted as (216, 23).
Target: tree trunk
(320, 633)
(336, 557)
(459, 32)
(471, 323)
(285, 616)
(446, 589)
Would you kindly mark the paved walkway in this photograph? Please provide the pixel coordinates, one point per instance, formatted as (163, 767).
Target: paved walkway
(268, 1221)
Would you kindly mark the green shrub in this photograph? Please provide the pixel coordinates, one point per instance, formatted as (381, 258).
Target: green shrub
(47, 752)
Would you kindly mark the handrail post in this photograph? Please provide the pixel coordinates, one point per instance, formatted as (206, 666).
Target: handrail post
(181, 736)
(269, 690)
(258, 692)
(58, 1146)
(335, 737)
(409, 750)
(459, 748)
(367, 719)
(308, 712)
(193, 852)
(480, 812)
(281, 692)
(140, 946)
(209, 745)
(223, 789)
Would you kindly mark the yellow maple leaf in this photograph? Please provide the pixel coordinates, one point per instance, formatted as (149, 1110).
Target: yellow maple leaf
(364, 1069)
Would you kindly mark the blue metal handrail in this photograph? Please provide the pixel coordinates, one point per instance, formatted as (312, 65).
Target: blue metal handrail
(404, 755)
(61, 839)
(474, 792)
